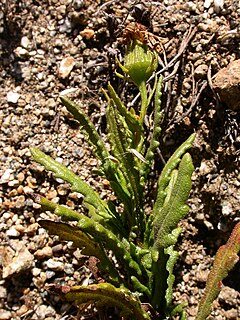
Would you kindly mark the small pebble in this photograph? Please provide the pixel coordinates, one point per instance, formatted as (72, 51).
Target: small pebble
(21, 52)
(25, 42)
(55, 265)
(14, 264)
(87, 33)
(22, 310)
(231, 314)
(228, 296)
(12, 97)
(36, 272)
(226, 84)
(66, 66)
(20, 228)
(68, 269)
(7, 176)
(28, 190)
(201, 71)
(45, 252)
(12, 233)
(44, 311)
(3, 292)
(5, 315)
(31, 230)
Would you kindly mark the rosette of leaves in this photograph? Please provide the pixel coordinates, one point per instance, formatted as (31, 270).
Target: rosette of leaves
(142, 245)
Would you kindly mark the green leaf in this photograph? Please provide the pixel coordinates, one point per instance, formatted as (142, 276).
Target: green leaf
(112, 242)
(78, 185)
(164, 233)
(104, 294)
(131, 120)
(85, 242)
(71, 233)
(226, 258)
(120, 138)
(167, 170)
(175, 209)
(173, 255)
(88, 127)
(99, 233)
(154, 142)
(109, 168)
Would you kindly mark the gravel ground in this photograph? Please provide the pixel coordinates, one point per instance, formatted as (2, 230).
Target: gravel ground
(55, 45)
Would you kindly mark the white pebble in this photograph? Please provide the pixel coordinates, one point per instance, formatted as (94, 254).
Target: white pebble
(5, 315)
(13, 97)
(218, 5)
(12, 232)
(25, 42)
(207, 3)
(54, 265)
(21, 52)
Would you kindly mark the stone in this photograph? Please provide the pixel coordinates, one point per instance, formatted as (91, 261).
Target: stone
(12, 232)
(17, 261)
(5, 314)
(87, 33)
(21, 52)
(201, 71)
(43, 253)
(231, 314)
(32, 229)
(25, 42)
(207, 3)
(68, 269)
(66, 66)
(218, 5)
(227, 85)
(44, 311)
(228, 296)
(22, 310)
(7, 176)
(55, 265)
(13, 97)
(3, 292)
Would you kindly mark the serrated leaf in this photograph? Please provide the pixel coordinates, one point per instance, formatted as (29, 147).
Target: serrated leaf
(78, 185)
(167, 170)
(104, 294)
(131, 120)
(71, 233)
(154, 142)
(85, 242)
(88, 127)
(174, 208)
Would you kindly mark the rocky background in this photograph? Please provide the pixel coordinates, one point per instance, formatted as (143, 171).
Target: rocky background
(52, 47)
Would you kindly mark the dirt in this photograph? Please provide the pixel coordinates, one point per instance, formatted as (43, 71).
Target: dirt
(36, 37)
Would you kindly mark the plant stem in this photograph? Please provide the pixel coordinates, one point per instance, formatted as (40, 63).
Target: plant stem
(144, 98)
(160, 282)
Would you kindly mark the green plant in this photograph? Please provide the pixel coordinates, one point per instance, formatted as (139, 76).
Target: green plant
(140, 271)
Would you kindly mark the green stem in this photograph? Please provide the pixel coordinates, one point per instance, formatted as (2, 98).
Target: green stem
(160, 282)
(144, 97)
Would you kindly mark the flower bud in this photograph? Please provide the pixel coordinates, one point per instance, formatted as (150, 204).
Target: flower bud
(139, 62)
